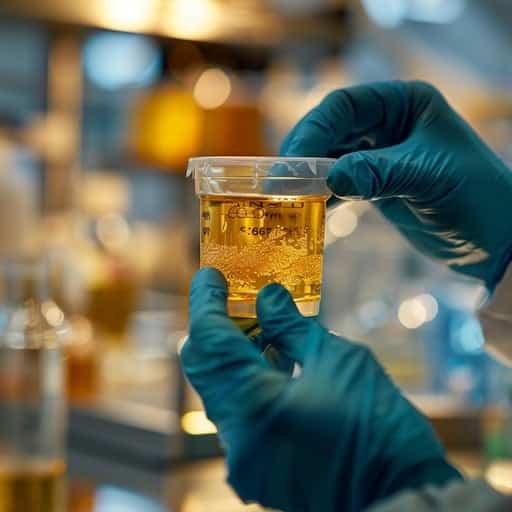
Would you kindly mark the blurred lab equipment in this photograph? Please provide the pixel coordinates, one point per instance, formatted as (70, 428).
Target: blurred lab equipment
(32, 403)
(83, 354)
(234, 129)
(110, 273)
(418, 317)
(65, 247)
(166, 127)
(497, 435)
(169, 123)
(17, 203)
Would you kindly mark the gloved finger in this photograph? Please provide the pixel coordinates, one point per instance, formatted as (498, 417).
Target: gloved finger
(207, 306)
(310, 137)
(318, 142)
(290, 169)
(377, 174)
(374, 115)
(281, 322)
(218, 358)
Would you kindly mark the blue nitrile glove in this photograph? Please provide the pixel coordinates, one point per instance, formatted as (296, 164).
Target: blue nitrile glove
(337, 438)
(437, 181)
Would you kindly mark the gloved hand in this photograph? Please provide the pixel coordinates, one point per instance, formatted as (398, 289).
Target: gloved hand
(435, 179)
(337, 438)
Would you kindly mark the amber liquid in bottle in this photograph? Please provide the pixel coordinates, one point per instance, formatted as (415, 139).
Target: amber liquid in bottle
(32, 486)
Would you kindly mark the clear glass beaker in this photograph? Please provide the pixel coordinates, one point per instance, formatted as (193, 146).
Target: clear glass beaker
(32, 405)
(262, 221)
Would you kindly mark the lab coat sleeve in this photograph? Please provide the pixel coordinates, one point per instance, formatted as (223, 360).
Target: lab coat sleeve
(496, 320)
(471, 496)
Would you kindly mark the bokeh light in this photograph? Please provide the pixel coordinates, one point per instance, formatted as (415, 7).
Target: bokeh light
(430, 304)
(212, 88)
(499, 476)
(129, 15)
(53, 314)
(466, 335)
(416, 311)
(412, 313)
(113, 61)
(193, 19)
(196, 423)
(342, 221)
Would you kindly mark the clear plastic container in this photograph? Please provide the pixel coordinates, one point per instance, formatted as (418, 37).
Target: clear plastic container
(262, 221)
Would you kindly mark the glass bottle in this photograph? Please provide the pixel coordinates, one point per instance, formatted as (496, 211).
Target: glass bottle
(32, 406)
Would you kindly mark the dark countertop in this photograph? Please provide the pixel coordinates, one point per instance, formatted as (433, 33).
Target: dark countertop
(187, 487)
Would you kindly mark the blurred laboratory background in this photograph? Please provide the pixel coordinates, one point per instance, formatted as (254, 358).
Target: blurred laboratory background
(102, 102)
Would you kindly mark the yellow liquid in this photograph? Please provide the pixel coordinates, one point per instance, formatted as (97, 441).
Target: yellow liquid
(32, 486)
(110, 305)
(257, 240)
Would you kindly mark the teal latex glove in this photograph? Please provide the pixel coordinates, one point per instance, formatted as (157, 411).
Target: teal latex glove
(434, 178)
(337, 438)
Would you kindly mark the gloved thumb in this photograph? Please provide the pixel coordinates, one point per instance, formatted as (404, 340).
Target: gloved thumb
(229, 373)
(281, 322)
(374, 174)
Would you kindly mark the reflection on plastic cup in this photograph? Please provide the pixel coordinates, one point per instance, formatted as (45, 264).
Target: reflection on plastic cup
(262, 221)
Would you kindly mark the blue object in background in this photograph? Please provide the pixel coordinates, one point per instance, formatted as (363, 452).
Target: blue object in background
(454, 348)
(116, 499)
(116, 60)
